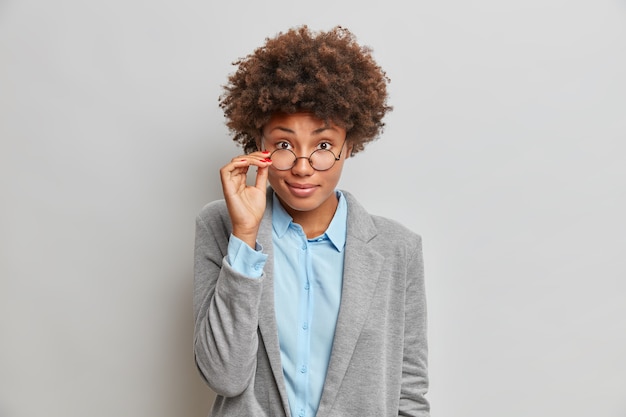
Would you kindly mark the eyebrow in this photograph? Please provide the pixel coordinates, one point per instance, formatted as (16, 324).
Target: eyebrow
(315, 132)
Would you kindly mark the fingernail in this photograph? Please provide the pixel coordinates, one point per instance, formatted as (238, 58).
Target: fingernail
(266, 160)
(242, 160)
(266, 151)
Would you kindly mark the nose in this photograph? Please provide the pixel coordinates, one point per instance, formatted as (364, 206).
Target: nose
(302, 167)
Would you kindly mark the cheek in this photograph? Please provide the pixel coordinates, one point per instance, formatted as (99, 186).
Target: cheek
(335, 173)
(273, 176)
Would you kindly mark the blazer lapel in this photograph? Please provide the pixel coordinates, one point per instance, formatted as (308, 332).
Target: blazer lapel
(267, 313)
(362, 266)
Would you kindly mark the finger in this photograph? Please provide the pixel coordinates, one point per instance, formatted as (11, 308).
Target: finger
(234, 169)
(239, 165)
(261, 177)
(249, 160)
(237, 169)
(259, 156)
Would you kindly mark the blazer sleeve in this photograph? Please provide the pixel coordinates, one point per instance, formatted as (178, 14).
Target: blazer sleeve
(226, 305)
(414, 387)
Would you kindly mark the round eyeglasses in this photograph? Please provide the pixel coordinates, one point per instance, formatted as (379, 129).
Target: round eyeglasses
(320, 159)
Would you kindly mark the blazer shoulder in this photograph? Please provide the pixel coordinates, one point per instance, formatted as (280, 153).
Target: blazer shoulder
(392, 229)
(214, 212)
(383, 230)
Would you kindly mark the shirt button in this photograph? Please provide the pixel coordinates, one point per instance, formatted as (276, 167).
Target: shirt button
(301, 414)
(307, 286)
(303, 369)
(304, 246)
(257, 266)
(305, 326)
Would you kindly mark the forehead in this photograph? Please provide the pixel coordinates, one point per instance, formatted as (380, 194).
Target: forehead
(300, 124)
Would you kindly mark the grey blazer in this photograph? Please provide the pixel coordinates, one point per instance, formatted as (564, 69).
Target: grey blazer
(378, 364)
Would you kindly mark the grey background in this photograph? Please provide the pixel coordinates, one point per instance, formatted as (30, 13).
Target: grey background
(505, 151)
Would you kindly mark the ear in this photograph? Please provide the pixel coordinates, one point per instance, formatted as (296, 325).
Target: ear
(349, 148)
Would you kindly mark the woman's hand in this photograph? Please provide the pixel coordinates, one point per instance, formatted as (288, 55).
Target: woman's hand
(246, 204)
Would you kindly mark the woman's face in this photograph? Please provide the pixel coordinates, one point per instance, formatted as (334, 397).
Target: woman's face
(302, 188)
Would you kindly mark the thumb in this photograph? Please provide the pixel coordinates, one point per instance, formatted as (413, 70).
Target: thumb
(261, 178)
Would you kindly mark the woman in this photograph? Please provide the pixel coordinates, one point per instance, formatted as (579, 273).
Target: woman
(305, 304)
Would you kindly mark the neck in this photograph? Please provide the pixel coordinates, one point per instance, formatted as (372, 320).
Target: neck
(314, 222)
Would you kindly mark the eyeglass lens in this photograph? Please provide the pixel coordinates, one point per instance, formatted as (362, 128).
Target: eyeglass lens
(285, 159)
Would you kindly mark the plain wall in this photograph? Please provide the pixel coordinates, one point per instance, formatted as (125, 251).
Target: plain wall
(505, 151)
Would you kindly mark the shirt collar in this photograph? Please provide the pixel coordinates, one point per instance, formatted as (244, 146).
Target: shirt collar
(336, 231)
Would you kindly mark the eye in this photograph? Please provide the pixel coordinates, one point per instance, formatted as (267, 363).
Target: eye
(283, 145)
(325, 146)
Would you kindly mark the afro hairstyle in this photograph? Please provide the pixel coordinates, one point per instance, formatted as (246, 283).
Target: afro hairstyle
(326, 73)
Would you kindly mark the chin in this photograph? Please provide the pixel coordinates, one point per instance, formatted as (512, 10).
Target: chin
(299, 204)
(302, 203)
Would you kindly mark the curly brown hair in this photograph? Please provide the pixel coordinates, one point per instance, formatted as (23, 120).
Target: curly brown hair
(326, 73)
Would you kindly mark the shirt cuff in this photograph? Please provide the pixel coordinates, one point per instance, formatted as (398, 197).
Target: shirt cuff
(245, 260)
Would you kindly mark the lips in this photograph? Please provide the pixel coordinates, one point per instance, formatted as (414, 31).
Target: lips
(301, 190)
(301, 186)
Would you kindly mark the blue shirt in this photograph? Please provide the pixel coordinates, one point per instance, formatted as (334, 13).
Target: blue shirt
(307, 291)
